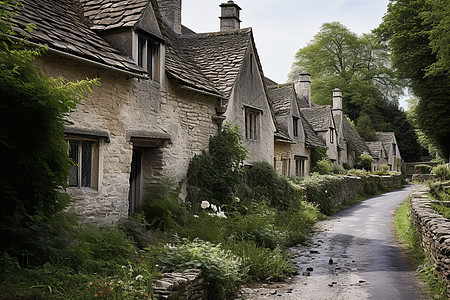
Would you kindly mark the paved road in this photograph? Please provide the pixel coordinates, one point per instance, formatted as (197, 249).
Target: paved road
(353, 255)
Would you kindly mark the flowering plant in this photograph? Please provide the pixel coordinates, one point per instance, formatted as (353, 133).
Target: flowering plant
(217, 211)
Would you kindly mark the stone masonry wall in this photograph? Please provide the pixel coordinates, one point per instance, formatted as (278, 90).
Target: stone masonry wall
(186, 285)
(434, 232)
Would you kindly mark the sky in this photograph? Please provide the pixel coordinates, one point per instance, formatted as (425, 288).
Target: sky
(282, 27)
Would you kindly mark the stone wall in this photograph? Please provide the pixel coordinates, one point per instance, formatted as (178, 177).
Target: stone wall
(186, 285)
(434, 232)
(352, 186)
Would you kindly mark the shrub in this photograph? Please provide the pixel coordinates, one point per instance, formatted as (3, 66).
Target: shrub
(323, 167)
(162, 207)
(221, 269)
(317, 154)
(135, 227)
(216, 175)
(442, 172)
(268, 185)
(422, 169)
(382, 170)
(321, 189)
(337, 168)
(357, 172)
(365, 161)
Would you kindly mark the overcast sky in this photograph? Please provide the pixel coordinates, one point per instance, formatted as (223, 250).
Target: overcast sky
(281, 27)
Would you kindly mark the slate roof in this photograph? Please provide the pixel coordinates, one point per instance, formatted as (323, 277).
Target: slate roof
(386, 137)
(375, 148)
(61, 28)
(353, 138)
(302, 102)
(319, 117)
(311, 138)
(281, 96)
(109, 14)
(215, 58)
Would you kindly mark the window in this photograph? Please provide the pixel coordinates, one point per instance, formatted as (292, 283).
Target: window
(331, 135)
(84, 163)
(285, 167)
(295, 125)
(300, 166)
(251, 124)
(148, 56)
(394, 149)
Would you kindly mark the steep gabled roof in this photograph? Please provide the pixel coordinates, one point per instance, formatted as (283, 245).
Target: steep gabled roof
(281, 96)
(109, 14)
(61, 28)
(218, 55)
(353, 138)
(386, 137)
(320, 117)
(375, 148)
(311, 138)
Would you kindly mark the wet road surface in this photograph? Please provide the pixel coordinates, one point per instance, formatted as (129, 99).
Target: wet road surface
(352, 255)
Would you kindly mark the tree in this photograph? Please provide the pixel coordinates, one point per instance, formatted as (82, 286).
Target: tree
(418, 33)
(360, 66)
(33, 111)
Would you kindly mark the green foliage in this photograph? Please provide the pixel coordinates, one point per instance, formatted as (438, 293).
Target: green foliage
(317, 154)
(365, 161)
(382, 170)
(321, 190)
(215, 175)
(267, 185)
(33, 111)
(323, 167)
(337, 168)
(442, 210)
(163, 208)
(221, 269)
(417, 32)
(442, 172)
(422, 169)
(357, 172)
(135, 227)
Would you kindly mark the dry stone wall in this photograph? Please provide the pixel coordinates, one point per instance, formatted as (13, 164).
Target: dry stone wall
(186, 285)
(434, 232)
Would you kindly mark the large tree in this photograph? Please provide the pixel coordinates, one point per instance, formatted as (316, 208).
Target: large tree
(418, 32)
(360, 67)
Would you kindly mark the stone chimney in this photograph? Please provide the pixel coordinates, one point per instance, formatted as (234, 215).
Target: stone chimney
(229, 18)
(337, 113)
(171, 13)
(303, 87)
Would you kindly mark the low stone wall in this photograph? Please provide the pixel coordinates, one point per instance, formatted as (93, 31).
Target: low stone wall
(423, 177)
(434, 232)
(352, 186)
(186, 285)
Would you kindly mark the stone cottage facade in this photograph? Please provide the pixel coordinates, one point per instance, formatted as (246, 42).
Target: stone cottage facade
(393, 157)
(164, 91)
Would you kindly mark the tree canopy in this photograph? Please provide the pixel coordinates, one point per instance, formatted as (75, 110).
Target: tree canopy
(360, 66)
(418, 32)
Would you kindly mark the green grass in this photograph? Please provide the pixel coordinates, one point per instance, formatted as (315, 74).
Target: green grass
(409, 238)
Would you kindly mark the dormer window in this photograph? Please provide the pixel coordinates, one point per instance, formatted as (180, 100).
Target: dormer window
(148, 56)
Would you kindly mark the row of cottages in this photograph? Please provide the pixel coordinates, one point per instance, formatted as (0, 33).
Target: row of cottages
(385, 151)
(164, 91)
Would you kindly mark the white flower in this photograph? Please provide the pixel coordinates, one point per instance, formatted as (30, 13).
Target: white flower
(221, 214)
(237, 199)
(205, 204)
(195, 216)
(139, 277)
(214, 207)
(326, 191)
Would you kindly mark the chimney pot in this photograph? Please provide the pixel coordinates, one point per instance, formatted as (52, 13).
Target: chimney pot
(337, 99)
(229, 19)
(303, 86)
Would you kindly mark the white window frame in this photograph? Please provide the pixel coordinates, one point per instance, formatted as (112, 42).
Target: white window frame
(80, 162)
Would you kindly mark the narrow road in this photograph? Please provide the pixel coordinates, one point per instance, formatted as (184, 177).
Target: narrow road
(352, 255)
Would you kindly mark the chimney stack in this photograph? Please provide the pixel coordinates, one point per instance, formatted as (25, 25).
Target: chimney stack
(171, 13)
(229, 18)
(337, 99)
(303, 87)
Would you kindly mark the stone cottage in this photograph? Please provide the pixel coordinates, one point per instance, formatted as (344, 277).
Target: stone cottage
(378, 153)
(394, 159)
(164, 91)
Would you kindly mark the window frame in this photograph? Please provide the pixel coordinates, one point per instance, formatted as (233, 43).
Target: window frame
(295, 125)
(84, 179)
(148, 46)
(252, 123)
(331, 135)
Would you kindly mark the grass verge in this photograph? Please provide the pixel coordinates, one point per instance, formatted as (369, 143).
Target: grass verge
(409, 238)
